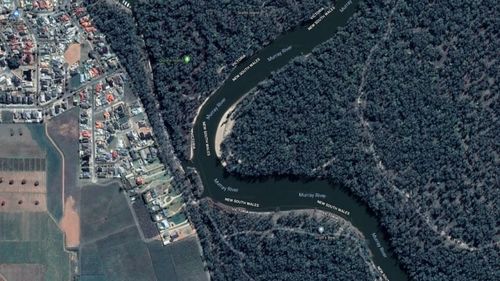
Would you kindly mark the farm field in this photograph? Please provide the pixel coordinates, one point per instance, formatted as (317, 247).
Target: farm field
(21, 272)
(32, 238)
(22, 171)
(63, 130)
(184, 260)
(104, 211)
(53, 170)
(19, 140)
(112, 249)
(31, 244)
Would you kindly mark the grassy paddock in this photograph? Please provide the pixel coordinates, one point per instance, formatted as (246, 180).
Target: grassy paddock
(34, 238)
(28, 237)
(64, 131)
(54, 166)
(111, 248)
(179, 261)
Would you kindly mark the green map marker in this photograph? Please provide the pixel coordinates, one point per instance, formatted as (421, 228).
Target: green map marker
(186, 59)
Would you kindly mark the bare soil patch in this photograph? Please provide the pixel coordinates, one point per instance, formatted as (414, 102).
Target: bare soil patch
(72, 54)
(33, 182)
(23, 202)
(70, 223)
(68, 130)
(23, 192)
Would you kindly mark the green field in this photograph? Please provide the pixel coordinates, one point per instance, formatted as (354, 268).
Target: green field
(112, 250)
(104, 211)
(64, 130)
(34, 238)
(120, 256)
(54, 166)
(180, 261)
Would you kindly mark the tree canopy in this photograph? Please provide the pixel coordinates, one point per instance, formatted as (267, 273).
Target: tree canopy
(402, 107)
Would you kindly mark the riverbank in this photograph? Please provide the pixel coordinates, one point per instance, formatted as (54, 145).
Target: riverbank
(264, 194)
(224, 128)
(226, 124)
(341, 249)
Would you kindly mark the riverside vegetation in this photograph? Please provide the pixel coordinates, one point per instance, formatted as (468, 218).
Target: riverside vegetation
(214, 35)
(281, 245)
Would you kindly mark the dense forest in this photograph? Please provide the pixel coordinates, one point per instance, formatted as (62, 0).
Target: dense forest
(402, 107)
(214, 34)
(280, 246)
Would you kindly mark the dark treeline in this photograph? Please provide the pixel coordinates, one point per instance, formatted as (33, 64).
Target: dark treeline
(280, 246)
(214, 34)
(402, 107)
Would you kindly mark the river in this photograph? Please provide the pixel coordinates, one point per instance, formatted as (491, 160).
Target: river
(264, 194)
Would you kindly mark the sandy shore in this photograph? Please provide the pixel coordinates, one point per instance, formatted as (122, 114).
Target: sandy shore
(224, 128)
(226, 123)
